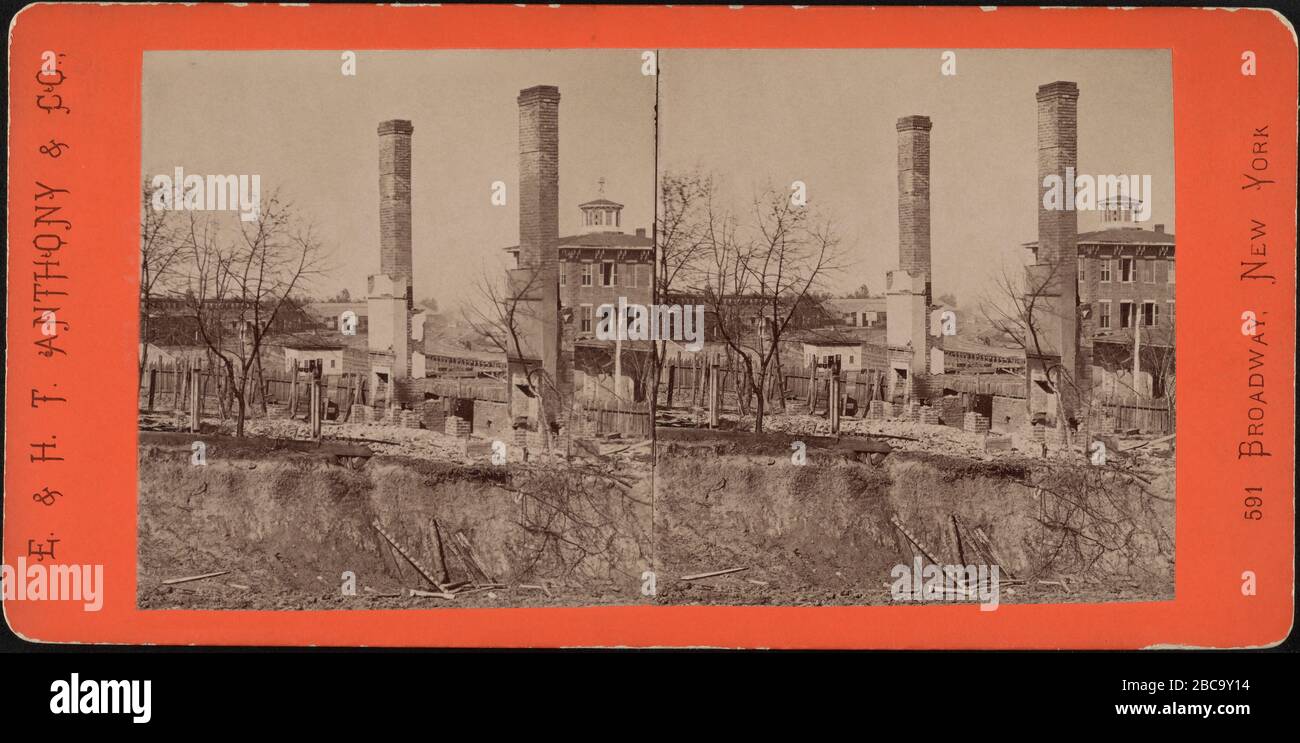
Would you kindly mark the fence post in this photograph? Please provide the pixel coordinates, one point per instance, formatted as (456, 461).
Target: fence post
(833, 402)
(153, 384)
(316, 403)
(194, 399)
(672, 377)
(714, 391)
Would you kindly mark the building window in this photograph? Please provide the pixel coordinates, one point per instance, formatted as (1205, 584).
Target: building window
(1126, 270)
(1126, 314)
(564, 275)
(1148, 271)
(1103, 319)
(631, 273)
(1150, 314)
(1169, 306)
(586, 318)
(1105, 270)
(586, 274)
(609, 274)
(1171, 271)
(1083, 266)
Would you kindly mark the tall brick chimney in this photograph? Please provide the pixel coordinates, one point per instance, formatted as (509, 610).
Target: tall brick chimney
(1058, 230)
(539, 214)
(389, 297)
(914, 198)
(395, 202)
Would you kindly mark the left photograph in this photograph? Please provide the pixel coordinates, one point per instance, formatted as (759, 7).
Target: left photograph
(379, 362)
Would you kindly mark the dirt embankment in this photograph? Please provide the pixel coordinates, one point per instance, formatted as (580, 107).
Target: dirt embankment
(825, 532)
(288, 527)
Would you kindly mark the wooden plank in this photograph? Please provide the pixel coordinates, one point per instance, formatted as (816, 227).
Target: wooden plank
(193, 578)
(700, 576)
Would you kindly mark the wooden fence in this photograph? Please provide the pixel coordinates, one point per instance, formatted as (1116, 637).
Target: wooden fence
(685, 385)
(166, 386)
(631, 420)
(1149, 418)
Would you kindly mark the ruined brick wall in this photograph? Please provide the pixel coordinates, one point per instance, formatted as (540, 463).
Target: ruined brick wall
(491, 418)
(1009, 414)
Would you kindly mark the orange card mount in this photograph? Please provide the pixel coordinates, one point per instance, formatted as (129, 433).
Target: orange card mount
(819, 327)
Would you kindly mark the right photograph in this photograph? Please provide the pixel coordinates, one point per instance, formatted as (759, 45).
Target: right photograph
(914, 327)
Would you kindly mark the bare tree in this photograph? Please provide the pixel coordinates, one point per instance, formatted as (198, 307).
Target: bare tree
(1020, 307)
(160, 246)
(758, 278)
(238, 287)
(681, 245)
(502, 315)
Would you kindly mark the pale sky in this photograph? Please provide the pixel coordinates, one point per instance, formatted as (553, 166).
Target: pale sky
(293, 118)
(751, 117)
(826, 117)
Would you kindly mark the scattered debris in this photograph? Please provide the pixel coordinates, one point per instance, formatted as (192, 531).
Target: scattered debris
(700, 576)
(174, 581)
(423, 571)
(430, 594)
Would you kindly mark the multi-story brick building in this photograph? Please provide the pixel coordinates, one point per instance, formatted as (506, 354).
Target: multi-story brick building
(1125, 272)
(1126, 276)
(602, 264)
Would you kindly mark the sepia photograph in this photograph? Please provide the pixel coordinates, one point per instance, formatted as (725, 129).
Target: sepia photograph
(380, 385)
(939, 326)
(731, 327)
(795, 332)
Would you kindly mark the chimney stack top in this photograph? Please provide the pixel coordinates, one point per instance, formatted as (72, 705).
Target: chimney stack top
(1058, 89)
(539, 93)
(395, 126)
(913, 122)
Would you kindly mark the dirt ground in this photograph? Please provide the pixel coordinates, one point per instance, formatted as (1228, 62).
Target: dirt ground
(287, 520)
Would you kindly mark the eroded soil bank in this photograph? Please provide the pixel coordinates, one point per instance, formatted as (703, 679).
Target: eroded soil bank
(828, 531)
(288, 525)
